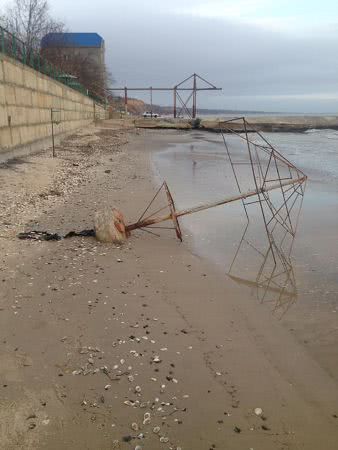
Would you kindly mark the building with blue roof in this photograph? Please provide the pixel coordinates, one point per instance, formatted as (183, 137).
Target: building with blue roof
(80, 54)
(75, 40)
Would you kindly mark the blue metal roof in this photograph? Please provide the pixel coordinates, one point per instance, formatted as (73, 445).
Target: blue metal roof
(71, 40)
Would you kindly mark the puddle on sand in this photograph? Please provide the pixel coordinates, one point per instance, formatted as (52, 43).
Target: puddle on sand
(199, 172)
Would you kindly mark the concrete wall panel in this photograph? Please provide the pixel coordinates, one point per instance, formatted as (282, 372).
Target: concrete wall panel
(27, 96)
(16, 136)
(5, 138)
(23, 96)
(10, 95)
(30, 79)
(3, 116)
(2, 94)
(13, 74)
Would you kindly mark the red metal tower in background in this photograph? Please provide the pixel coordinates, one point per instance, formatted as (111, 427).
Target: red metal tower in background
(178, 89)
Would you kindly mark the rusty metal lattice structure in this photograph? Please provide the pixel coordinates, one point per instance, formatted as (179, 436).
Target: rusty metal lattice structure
(192, 97)
(279, 211)
(264, 180)
(279, 208)
(182, 106)
(145, 223)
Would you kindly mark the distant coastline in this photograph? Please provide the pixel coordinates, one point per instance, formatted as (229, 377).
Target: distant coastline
(240, 113)
(168, 111)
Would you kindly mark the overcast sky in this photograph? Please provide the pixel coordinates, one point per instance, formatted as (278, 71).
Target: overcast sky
(274, 55)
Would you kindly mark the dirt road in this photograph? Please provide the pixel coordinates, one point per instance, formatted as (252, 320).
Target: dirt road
(143, 346)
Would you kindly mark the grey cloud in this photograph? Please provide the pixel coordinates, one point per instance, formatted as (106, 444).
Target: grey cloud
(147, 46)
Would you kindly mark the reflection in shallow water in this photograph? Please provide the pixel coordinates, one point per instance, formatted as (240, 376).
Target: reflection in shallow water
(279, 210)
(273, 284)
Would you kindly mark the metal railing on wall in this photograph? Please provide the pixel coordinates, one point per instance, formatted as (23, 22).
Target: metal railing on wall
(14, 47)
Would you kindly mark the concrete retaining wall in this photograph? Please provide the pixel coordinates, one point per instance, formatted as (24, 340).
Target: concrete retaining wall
(26, 100)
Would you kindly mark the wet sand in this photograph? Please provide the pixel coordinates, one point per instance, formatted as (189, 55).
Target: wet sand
(199, 171)
(95, 337)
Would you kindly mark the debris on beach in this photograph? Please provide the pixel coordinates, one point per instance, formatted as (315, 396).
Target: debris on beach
(109, 226)
(258, 411)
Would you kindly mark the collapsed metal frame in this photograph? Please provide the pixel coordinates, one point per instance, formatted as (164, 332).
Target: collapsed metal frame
(267, 165)
(177, 97)
(282, 286)
(262, 184)
(280, 278)
(281, 215)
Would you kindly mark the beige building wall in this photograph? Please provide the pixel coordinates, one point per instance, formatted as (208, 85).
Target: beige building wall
(27, 98)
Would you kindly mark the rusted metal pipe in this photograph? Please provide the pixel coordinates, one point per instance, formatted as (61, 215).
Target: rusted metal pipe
(175, 215)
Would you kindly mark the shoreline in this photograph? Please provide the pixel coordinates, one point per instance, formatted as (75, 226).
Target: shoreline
(221, 355)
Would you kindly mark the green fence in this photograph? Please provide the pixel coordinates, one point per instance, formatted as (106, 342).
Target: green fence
(17, 49)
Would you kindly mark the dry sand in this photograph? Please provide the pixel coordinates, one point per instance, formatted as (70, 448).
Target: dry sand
(100, 345)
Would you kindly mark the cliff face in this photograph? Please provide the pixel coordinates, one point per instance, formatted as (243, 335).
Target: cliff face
(135, 106)
(138, 107)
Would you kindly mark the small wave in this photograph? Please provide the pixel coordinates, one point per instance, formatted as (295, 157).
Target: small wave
(321, 130)
(312, 130)
(328, 133)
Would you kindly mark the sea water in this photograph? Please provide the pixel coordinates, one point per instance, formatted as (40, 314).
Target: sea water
(198, 172)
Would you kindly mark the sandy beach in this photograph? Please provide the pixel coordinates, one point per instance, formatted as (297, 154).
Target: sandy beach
(140, 346)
